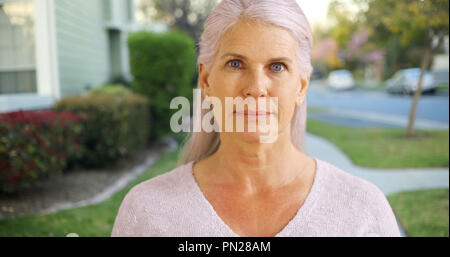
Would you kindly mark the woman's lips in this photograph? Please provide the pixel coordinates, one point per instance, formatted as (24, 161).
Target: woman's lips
(250, 113)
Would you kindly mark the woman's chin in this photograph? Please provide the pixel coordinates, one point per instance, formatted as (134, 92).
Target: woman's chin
(251, 131)
(250, 137)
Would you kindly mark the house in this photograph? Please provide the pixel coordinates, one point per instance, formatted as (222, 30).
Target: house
(50, 49)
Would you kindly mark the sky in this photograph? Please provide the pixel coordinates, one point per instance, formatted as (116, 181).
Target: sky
(316, 10)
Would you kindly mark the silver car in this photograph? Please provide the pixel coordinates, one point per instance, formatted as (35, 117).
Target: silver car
(406, 81)
(341, 80)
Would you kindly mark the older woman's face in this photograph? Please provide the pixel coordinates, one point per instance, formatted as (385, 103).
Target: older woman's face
(256, 60)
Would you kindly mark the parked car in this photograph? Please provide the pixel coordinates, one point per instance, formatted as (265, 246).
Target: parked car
(341, 80)
(406, 81)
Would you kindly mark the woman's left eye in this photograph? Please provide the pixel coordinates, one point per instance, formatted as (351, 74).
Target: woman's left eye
(234, 64)
(278, 67)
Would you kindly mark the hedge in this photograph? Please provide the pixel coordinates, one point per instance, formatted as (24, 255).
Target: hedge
(114, 126)
(36, 145)
(163, 67)
(114, 89)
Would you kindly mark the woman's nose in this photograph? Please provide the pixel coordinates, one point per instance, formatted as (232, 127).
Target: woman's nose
(257, 85)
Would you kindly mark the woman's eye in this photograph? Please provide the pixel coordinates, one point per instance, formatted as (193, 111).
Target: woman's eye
(234, 64)
(277, 67)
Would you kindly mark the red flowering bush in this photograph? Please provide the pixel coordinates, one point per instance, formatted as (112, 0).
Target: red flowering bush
(36, 145)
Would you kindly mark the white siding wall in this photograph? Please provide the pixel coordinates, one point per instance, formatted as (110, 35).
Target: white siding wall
(82, 45)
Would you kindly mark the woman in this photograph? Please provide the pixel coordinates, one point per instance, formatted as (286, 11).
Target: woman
(232, 184)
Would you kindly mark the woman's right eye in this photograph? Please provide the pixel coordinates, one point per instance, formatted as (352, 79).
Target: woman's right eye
(235, 64)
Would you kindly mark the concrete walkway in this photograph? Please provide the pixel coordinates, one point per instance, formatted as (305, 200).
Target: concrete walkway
(388, 180)
(169, 144)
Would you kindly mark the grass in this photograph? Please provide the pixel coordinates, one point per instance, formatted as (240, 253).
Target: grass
(386, 148)
(422, 213)
(443, 88)
(93, 220)
(377, 86)
(314, 109)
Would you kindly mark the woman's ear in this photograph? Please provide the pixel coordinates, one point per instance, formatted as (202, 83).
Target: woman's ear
(302, 90)
(203, 79)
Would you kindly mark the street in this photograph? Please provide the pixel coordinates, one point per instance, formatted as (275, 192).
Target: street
(372, 108)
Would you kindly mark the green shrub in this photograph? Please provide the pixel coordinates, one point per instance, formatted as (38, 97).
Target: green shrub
(115, 89)
(114, 125)
(36, 145)
(163, 67)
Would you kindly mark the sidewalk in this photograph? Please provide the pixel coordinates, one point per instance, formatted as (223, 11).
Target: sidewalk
(388, 180)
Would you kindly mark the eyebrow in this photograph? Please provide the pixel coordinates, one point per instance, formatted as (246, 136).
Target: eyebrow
(276, 59)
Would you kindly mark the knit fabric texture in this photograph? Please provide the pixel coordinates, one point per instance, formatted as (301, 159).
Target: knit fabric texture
(339, 204)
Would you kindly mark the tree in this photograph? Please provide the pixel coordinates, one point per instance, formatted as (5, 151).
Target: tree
(412, 22)
(349, 33)
(343, 23)
(185, 15)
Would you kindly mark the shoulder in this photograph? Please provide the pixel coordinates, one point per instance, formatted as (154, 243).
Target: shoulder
(357, 199)
(161, 186)
(336, 180)
(146, 207)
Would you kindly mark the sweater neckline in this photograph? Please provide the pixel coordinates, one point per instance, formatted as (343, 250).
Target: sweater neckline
(300, 216)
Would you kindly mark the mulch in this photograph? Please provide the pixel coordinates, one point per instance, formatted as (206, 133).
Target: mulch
(72, 186)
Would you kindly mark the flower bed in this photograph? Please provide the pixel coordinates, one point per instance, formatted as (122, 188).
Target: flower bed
(35, 145)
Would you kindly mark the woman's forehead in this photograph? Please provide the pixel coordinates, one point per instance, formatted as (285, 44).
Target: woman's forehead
(258, 39)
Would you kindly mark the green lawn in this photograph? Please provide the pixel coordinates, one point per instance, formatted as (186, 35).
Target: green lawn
(422, 213)
(443, 88)
(377, 86)
(386, 148)
(93, 220)
(317, 110)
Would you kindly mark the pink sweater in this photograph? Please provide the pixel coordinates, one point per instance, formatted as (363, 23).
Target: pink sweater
(172, 205)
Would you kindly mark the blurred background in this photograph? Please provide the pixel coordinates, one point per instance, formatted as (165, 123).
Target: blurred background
(85, 88)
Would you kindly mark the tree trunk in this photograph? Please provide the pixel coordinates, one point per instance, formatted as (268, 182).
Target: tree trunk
(412, 114)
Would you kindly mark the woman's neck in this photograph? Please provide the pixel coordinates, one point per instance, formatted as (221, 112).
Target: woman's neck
(255, 167)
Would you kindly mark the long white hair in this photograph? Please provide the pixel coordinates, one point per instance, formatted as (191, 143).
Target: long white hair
(286, 14)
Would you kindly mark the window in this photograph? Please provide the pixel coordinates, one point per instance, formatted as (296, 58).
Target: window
(17, 47)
